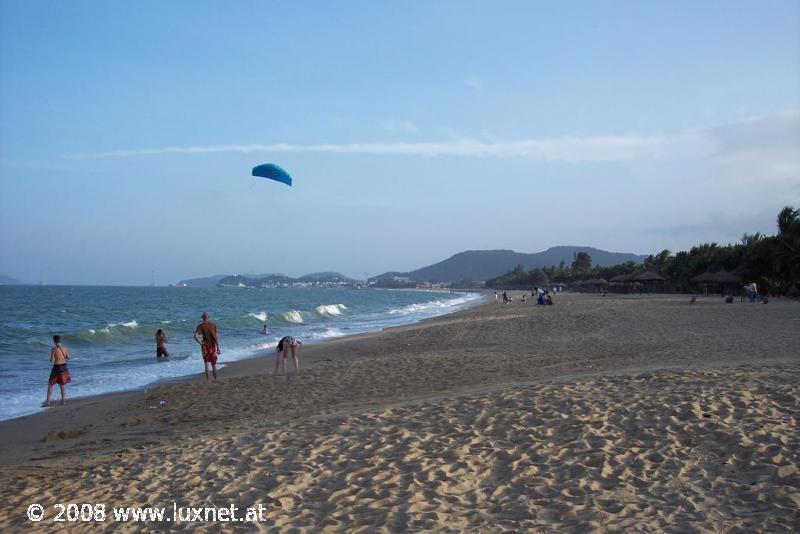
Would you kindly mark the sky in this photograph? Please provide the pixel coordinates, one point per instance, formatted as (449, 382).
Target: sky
(413, 131)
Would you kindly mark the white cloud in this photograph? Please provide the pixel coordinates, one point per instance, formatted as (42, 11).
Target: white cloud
(767, 145)
(597, 148)
(759, 149)
(473, 82)
(402, 126)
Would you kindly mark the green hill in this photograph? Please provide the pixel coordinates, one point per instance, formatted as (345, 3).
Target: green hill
(484, 264)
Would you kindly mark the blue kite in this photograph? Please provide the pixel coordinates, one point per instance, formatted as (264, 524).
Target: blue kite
(273, 172)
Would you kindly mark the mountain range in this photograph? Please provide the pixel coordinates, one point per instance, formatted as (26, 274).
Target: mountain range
(470, 264)
(485, 264)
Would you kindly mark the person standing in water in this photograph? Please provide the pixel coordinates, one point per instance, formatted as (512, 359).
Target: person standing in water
(59, 374)
(265, 331)
(161, 345)
(209, 344)
(287, 345)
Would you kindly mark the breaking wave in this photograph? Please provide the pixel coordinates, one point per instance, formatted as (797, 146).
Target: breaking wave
(293, 316)
(261, 316)
(327, 334)
(428, 306)
(328, 310)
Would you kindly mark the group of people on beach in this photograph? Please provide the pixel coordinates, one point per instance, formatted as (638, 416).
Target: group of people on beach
(542, 296)
(205, 335)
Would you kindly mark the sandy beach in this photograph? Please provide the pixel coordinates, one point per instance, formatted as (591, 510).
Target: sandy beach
(617, 412)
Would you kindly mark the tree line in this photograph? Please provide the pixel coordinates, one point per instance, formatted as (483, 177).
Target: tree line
(772, 261)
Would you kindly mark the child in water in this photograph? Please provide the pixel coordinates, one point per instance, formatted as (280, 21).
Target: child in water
(59, 374)
(161, 344)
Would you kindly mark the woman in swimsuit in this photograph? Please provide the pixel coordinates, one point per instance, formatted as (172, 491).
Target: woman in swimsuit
(59, 374)
(287, 345)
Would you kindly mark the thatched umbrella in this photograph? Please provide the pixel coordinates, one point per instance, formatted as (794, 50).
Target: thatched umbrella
(592, 283)
(649, 276)
(623, 283)
(597, 283)
(621, 279)
(721, 278)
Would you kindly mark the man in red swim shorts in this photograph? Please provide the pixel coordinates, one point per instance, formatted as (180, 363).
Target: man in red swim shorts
(209, 344)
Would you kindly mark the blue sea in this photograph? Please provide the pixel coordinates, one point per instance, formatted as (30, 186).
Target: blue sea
(110, 331)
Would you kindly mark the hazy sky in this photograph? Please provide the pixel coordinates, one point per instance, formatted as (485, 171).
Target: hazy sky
(413, 130)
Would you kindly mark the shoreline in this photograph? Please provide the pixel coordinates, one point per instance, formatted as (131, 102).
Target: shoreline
(598, 410)
(82, 410)
(225, 365)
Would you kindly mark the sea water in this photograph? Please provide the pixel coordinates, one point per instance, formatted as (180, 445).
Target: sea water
(110, 331)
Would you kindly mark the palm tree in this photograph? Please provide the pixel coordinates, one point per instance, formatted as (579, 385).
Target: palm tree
(582, 263)
(787, 218)
(787, 262)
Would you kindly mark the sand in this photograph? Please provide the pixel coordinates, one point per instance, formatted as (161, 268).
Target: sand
(598, 413)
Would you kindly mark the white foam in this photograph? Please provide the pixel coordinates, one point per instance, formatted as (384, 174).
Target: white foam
(100, 377)
(293, 316)
(327, 333)
(330, 309)
(129, 324)
(429, 306)
(250, 350)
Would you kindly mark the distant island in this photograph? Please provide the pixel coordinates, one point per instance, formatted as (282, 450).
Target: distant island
(8, 281)
(466, 269)
(207, 281)
(326, 279)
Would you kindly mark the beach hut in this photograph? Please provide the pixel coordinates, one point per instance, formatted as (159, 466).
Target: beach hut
(649, 276)
(721, 278)
(593, 285)
(625, 283)
(620, 279)
(649, 279)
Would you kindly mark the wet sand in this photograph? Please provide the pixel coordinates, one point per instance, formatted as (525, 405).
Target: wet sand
(599, 412)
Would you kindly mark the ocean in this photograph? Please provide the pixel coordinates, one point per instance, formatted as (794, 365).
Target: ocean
(110, 331)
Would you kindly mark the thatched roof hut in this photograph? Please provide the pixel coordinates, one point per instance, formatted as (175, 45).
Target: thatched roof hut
(591, 284)
(595, 282)
(719, 277)
(622, 278)
(649, 276)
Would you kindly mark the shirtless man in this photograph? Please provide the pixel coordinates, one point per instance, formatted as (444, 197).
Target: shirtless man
(59, 374)
(209, 344)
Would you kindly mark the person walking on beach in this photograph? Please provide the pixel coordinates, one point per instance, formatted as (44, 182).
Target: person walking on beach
(161, 345)
(209, 344)
(287, 345)
(59, 374)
